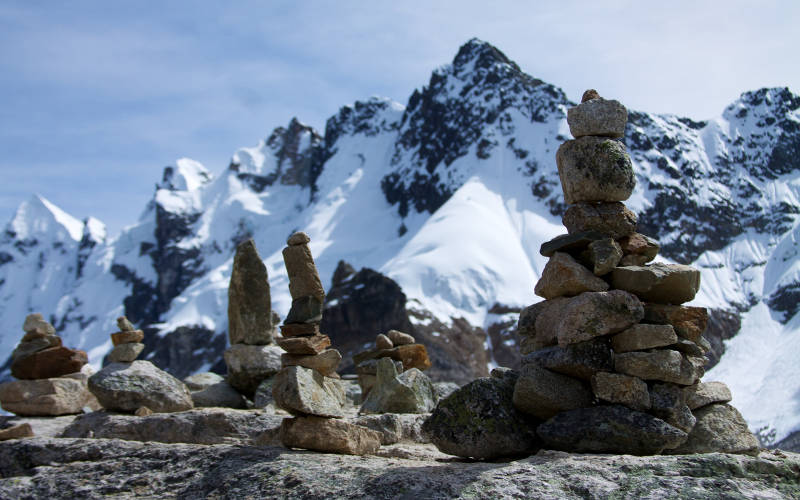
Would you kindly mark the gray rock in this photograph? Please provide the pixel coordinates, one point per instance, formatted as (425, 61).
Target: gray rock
(328, 435)
(395, 427)
(720, 428)
(688, 322)
(370, 367)
(36, 323)
(581, 360)
(383, 342)
(570, 243)
(479, 421)
(597, 117)
(668, 402)
(249, 302)
(595, 169)
(325, 362)
(633, 260)
(306, 309)
(542, 393)
(248, 365)
(604, 255)
(400, 338)
(706, 393)
(409, 392)
(593, 314)
(125, 387)
(640, 337)
(307, 346)
(298, 238)
(640, 245)
(200, 381)
(303, 275)
(220, 395)
(688, 347)
(125, 353)
(664, 365)
(47, 397)
(609, 429)
(621, 389)
(444, 389)
(544, 314)
(661, 283)
(28, 347)
(611, 219)
(263, 396)
(125, 325)
(302, 391)
(563, 276)
(200, 426)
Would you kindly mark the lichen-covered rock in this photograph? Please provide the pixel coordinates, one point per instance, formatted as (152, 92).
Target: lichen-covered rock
(479, 421)
(599, 117)
(621, 389)
(127, 386)
(641, 245)
(720, 428)
(595, 169)
(542, 393)
(563, 276)
(249, 302)
(47, 397)
(593, 314)
(668, 402)
(302, 391)
(661, 283)
(248, 365)
(612, 219)
(609, 429)
(581, 360)
(409, 392)
(328, 435)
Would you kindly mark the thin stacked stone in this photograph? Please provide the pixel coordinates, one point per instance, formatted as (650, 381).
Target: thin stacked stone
(396, 345)
(127, 342)
(252, 325)
(307, 385)
(612, 360)
(52, 378)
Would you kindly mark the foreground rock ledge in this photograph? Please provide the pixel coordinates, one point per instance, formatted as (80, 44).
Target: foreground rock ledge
(93, 468)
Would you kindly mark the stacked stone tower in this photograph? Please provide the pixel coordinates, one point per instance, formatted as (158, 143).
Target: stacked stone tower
(612, 360)
(127, 342)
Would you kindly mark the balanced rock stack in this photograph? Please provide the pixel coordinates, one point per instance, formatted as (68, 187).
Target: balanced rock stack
(307, 385)
(130, 385)
(253, 356)
(398, 346)
(611, 359)
(52, 377)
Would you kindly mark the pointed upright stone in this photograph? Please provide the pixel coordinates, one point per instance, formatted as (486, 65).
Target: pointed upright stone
(249, 303)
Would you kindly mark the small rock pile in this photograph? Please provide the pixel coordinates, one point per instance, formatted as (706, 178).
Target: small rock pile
(253, 357)
(398, 346)
(307, 384)
(612, 360)
(130, 385)
(52, 377)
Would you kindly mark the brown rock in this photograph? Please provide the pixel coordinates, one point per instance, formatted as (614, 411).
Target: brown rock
(592, 314)
(298, 238)
(589, 95)
(127, 337)
(623, 389)
(688, 347)
(706, 393)
(543, 394)
(664, 365)
(412, 356)
(36, 323)
(328, 435)
(639, 244)
(399, 338)
(249, 302)
(720, 428)
(143, 411)
(46, 397)
(640, 337)
(325, 362)
(597, 117)
(124, 325)
(299, 330)
(633, 260)
(303, 276)
(688, 322)
(595, 169)
(49, 363)
(612, 219)
(26, 348)
(662, 283)
(307, 309)
(545, 334)
(16, 432)
(305, 345)
(571, 243)
(125, 353)
(604, 255)
(563, 276)
(383, 342)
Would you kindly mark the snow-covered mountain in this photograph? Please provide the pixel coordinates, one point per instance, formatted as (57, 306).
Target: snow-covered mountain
(450, 197)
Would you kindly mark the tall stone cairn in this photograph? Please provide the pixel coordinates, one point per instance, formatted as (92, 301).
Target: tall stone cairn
(127, 342)
(307, 385)
(611, 359)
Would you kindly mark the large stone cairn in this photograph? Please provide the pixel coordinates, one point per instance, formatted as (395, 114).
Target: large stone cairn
(611, 359)
(253, 357)
(307, 385)
(52, 378)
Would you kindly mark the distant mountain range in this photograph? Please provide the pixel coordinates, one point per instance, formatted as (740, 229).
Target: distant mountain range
(445, 201)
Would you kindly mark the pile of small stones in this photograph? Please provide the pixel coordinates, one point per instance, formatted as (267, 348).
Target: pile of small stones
(127, 342)
(396, 345)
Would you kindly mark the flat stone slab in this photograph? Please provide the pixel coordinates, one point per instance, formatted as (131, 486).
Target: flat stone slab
(570, 243)
(661, 283)
(664, 365)
(688, 322)
(706, 393)
(47, 397)
(411, 355)
(640, 337)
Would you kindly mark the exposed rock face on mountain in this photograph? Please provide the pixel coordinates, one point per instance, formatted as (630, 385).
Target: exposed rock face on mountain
(449, 196)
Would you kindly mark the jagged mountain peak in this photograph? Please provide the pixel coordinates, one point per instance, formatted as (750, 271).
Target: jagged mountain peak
(186, 175)
(37, 217)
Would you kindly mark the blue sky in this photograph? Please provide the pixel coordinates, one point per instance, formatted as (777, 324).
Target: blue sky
(96, 97)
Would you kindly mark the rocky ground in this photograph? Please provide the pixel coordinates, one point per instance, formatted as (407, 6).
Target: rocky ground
(51, 467)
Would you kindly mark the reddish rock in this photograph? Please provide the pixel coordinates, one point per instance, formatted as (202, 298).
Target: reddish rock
(49, 363)
(411, 355)
(127, 337)
(688, 322)
(299, 330)
(305, 345)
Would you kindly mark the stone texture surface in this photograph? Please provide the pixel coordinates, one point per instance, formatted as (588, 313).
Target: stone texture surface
(590, 315)
(668, 402)
(329, 435)
(16, 432)
(399, 338)
(47, 397)
(302, 391)
(305, 309)
(325, 362)
(720, 428)
(706, 393)
(412, 356)
(640, 337)
(613, 219)
(609, 429)
(39, 343)
(409, 392)
(58, 468)
(542, 393)
(305, 345)
(298, 238)
(595, 169)
(299, 329)
(383, 342)
(599, 117)
(639, 244)
(125, 353)
(544, 314)
(571, 243)
(581, 360)
(124, 324)
(249, 302)
(220, 395)
(303, 276)
(661, 283)
(563, 276)
(688, 322)
(479, 421)
(125, 387)
(249, 365)
(263, 396)
(49, 363)
(200, 381)
(664, 365)
(35, 322)
(127, 337)
(604, 255)
(198, 426)
(622, 389)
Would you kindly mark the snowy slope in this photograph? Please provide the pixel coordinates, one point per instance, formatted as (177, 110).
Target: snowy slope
(450, 195)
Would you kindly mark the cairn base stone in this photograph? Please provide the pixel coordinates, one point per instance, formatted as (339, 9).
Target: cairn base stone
(720, 428)
(127, 386)
(47, 397)
(328, 435)
(219, 395)
(302, 391)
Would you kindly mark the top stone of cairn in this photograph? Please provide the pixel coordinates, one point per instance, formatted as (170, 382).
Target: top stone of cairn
(597, 116)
